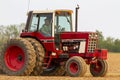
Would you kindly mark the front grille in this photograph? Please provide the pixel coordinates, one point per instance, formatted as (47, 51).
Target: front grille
(92, 42)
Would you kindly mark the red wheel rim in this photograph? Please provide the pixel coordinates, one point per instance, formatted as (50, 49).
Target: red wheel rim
(98, 67)
(14, 58)
(73, 67)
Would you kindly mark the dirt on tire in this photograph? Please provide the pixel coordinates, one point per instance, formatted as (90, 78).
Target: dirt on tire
(29, 57)
(39, 51)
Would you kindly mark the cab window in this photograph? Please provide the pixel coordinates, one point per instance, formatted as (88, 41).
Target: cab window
(42, 22)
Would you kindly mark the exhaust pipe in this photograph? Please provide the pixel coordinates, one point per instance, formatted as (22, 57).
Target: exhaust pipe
(76, 18)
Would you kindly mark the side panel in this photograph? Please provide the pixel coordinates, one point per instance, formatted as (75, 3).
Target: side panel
(47, 42)
(82, 47)
(85, 41)
(74, 40)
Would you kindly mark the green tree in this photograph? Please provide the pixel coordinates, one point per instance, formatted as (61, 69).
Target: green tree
(116, 47)
(109, 43)
(100, 39)
(11, 31)
(100, 35)
(8, 32)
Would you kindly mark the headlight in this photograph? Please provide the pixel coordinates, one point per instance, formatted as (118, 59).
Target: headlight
(93, 35)
(53, 54)
(65, 48)
(90, 35)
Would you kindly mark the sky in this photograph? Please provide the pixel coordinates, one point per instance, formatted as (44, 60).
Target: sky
(102, 15)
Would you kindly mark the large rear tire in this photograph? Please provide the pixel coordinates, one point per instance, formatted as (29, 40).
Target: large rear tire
(76, 66)
(18, 57)
(99, 69)
(39, 51)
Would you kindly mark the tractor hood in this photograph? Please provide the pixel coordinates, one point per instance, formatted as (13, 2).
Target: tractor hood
(78, 35)
(87, 41)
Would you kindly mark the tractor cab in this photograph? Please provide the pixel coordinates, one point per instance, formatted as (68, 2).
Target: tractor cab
(46, 26)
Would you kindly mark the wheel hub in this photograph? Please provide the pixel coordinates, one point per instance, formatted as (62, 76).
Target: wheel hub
(14, 58)
(73, 67)
(19, 58)
(97, 67)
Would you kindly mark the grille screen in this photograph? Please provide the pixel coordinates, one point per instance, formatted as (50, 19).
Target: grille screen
(92, 43)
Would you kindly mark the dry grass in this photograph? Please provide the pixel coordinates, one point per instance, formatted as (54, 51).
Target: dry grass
(113, 73)
(114, 63)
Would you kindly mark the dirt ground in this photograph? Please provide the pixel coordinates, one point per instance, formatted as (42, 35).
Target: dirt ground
(113, 73)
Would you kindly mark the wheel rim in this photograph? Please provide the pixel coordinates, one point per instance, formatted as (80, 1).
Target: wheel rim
(73, 67)
(14, 58)
(97, 67)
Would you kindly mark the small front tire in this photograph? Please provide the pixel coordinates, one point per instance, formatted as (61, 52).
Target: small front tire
(76, 66)
(99, 69)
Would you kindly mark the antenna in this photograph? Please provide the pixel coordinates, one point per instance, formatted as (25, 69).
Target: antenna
(28, 6)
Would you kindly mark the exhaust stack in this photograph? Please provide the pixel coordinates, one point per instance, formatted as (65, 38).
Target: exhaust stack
(76, 18)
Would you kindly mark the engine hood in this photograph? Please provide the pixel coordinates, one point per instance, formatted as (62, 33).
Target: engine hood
(75, 35)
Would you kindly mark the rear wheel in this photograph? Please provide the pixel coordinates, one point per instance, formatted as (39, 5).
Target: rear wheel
(18, 57)
(99, 69)
(76, 66)
(39, 51)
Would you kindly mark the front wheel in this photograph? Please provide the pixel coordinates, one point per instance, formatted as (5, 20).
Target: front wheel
(99, 69)
(76, 66)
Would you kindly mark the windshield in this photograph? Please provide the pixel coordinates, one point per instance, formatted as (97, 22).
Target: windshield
(63, 22)
(41, 22)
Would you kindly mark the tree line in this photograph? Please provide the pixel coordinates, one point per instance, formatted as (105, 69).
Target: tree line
(9, 31)
(13, 31)
(109, 43)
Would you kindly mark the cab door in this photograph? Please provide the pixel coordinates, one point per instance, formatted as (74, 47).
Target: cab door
(63, 23)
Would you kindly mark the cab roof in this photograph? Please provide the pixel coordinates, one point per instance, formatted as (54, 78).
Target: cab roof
(52, 11)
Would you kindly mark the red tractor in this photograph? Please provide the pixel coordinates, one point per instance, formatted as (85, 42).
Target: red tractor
(53, 48)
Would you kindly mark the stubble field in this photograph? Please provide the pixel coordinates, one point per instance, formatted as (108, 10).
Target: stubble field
(113, 72)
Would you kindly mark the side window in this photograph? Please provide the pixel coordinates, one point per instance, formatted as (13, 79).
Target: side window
(62, 24)
(34, 23)
(45, 24)
(41, 22)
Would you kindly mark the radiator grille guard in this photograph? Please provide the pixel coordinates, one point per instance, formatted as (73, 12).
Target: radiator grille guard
(92, 42)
